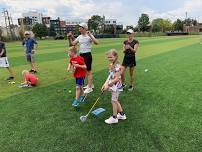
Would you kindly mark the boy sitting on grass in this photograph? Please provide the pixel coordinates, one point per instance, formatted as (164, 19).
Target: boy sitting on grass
(78, 67)
(29, 78)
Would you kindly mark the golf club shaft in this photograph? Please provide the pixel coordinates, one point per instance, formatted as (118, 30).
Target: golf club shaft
(94, 104)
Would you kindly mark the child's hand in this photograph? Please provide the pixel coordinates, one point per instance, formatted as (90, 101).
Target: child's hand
(69, 35)
(105, 87)
(76, 65)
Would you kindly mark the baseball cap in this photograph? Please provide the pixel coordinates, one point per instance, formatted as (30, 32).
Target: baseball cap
(84, 25)
(130, 31)
(27, 33)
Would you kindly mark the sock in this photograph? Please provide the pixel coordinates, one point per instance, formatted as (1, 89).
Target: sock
(122, 113)
(114, 117)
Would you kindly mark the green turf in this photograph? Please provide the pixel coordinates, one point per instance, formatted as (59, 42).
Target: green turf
(164, 112)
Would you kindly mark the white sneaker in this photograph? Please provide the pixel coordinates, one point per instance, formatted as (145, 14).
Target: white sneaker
(120, 117)
(87, 86)
(88, 90)
(111, 120)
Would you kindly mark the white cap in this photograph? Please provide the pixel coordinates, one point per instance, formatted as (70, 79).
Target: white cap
(130, 31)
(84, 25)
(27, 33)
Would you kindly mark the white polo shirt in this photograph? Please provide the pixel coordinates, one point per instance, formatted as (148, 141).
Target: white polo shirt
(85, 43)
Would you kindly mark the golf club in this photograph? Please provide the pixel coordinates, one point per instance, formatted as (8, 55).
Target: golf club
(83, 118)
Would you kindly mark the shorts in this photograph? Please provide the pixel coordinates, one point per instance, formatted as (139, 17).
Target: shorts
(129, 61)
(88, 60)
(30, 57)
(80, 82)
(4, 62)
(115, 96)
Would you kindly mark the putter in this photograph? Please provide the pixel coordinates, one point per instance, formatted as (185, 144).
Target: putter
(84, 118)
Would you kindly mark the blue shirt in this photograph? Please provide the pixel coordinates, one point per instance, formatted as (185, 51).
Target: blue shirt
(29, 44)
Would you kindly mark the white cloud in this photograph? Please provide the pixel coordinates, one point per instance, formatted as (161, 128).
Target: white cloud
(127, 11)
(192, 7)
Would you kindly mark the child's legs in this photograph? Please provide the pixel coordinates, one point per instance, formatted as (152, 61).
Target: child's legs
(78, 92)
(33, 64)
(10, 71)
(119, 108)
(132, 73)
(114, 100)
(79, 87)
(114, 108)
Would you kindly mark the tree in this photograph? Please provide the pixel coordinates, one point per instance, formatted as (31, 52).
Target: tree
(178, 25)
(143, 22)
(94, 23)
(156, 25)
(162, 25)
(40, 30)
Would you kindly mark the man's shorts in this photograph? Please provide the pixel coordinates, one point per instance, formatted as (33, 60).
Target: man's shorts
(88, 60)
(129, 61)
(4, 62)
(115, 96)
(80, 82)
(30, 57)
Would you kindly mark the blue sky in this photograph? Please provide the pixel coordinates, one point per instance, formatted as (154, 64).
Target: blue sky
(125, 11)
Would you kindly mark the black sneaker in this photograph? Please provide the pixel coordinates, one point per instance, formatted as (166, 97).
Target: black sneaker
(130, 88)
(123, 86)
(10, 78)
(31, 70)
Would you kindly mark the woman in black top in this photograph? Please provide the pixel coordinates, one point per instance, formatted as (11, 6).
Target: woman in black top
(130, 47)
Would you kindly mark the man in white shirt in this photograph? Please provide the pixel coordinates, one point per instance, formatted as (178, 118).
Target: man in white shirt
(85, 41)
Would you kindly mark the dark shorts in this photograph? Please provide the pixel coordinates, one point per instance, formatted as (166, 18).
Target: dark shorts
(30, 57)
(88, 60)
(129, 61)
(80, 81)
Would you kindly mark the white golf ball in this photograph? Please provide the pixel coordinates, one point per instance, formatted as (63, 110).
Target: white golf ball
(70, 91)
(146, 70)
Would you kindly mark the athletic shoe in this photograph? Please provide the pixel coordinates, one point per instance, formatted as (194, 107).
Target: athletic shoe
(88, 87)
(111, 120)
(121, 117)
(82, 99)
(75, 103)
(123, 86)
(31, 70)
(10, 78)
(88, 90)
(130, 88)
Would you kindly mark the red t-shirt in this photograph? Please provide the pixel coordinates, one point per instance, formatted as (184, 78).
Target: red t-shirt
(79, 72)
(31, 78)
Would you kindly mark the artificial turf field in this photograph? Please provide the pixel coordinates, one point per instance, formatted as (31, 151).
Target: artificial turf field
(164, 112)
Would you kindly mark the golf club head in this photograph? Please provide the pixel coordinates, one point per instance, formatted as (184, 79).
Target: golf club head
(83, 118)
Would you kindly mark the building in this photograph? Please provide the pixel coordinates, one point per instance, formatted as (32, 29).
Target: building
(111, 26)
(72, 25)
(58, 27)
(35, 16)
(193, 28)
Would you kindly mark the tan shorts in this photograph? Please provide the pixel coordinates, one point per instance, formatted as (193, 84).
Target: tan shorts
(115, 96)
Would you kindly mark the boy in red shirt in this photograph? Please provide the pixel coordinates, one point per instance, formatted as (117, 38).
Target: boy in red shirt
(29, 78)
(77, 65)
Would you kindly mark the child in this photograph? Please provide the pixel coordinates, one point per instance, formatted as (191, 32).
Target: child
(29, 78)
(113, 84)
(78, 67)
(4, 61)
